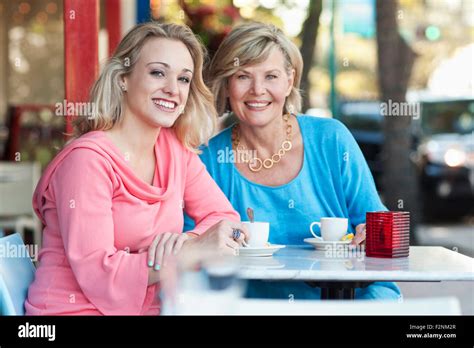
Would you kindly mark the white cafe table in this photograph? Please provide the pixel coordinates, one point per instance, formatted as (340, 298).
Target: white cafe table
(339, 272)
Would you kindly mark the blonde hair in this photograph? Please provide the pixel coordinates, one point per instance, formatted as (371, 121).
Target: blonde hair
(248, 44)
(197, 123)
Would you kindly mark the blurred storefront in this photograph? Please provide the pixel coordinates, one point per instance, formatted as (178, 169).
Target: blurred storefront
(34, 38)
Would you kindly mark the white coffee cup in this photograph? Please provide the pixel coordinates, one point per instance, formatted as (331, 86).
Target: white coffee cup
(258, 233)
(332, 228)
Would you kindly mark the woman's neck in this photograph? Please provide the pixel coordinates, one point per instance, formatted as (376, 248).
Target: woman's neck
(135, 136)
(266, 139)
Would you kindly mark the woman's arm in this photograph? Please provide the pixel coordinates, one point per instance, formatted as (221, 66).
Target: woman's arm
(357, 181)
(204, 201)
(115, 281)
(215, 222)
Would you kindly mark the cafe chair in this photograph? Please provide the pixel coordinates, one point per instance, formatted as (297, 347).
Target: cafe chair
(17, 184)
(17, 272)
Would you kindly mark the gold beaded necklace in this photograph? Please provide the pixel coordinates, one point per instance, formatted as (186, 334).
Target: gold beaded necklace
(255, 163)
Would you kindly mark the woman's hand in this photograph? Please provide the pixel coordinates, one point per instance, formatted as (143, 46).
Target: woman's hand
(164, 245)
(160, 251)
(359, 237)
(220, 238)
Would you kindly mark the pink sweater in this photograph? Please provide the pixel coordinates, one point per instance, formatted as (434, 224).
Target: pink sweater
(97, 215)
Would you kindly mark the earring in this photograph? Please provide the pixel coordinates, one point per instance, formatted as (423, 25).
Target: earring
(291, 109)
(123, 88)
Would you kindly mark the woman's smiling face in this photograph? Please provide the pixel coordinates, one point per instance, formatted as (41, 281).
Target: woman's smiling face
(158, 87)
(257, 93)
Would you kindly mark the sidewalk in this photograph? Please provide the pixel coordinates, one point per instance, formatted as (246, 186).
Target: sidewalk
(458, 237)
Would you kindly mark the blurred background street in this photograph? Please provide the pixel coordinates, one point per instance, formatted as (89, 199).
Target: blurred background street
(455, 236)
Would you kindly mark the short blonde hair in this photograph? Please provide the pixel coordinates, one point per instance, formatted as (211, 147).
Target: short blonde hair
(197, 123)
(248, 44)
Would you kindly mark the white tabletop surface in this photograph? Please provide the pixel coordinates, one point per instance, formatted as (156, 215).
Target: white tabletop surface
(425, 263)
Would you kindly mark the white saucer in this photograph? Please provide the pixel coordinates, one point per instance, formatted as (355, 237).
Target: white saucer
(260, 251)
(323, 245)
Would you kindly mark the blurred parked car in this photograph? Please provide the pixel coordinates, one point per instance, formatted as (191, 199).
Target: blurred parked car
(445, 156)
(442, 149)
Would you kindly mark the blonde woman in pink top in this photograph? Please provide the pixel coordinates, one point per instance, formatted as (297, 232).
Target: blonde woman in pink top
(112, 200)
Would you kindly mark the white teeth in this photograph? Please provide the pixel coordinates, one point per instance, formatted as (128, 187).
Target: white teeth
(166, 104)
(257, 105)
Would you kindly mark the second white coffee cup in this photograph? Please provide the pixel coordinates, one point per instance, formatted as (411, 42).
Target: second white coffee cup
(332, 228)
(258, 233)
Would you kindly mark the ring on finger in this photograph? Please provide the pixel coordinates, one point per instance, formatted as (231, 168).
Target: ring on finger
(236, 233)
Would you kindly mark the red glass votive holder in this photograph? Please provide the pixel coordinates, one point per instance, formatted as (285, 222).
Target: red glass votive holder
(387, 234)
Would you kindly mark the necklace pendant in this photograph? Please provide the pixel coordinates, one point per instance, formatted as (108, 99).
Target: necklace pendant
(286, 145)
(268, 163)
(254, 168)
